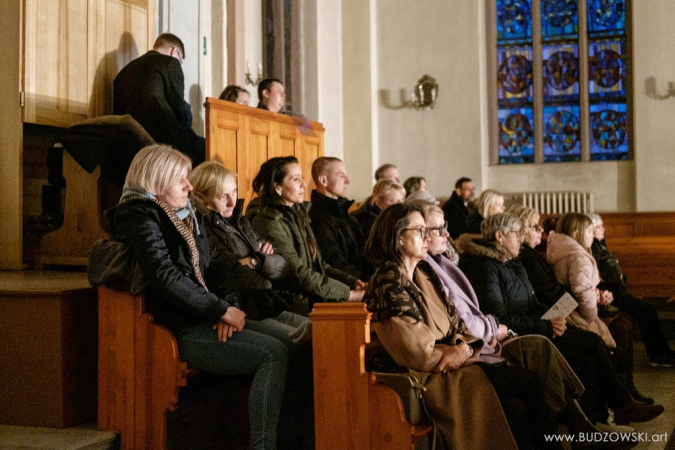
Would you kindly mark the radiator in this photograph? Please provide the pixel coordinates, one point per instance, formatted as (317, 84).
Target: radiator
(557, 202)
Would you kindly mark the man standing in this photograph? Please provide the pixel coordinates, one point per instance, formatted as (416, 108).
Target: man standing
(338, 233)
(456, 209)
(151, 89)
(271, 95)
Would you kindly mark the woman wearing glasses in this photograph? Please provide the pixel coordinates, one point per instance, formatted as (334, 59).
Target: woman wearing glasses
(283, 222)
(421, 330)
(504, 291)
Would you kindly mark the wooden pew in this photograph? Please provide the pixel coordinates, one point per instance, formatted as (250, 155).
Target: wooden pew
(644, 244)
(351, 411)
(139, 371)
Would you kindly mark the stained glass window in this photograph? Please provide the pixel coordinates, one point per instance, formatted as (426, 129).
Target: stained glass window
(552, 105)
(514, 81)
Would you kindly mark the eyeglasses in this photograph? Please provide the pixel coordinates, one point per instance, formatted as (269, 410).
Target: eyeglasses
(424, 231)
(439, 231)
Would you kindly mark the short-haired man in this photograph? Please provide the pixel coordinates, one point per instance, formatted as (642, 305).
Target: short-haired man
(271, 95)
(456, 209)
(151, 89)
(387, 172)
(338, 234)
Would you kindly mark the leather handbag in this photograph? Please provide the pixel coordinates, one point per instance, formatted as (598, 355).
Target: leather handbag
(410, 390)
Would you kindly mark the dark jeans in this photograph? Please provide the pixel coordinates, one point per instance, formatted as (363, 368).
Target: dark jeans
(587, 354)
(246, 352)
(296, 423)
(645, 315)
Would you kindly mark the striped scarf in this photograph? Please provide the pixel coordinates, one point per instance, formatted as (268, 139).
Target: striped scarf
(185, 227)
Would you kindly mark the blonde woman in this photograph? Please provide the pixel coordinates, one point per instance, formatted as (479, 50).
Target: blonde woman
(569, 252)
(385, 194)
(256, 269)
(488, 203)
(187, 291)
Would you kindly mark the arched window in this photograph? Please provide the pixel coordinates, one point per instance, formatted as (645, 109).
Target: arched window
(561, 72)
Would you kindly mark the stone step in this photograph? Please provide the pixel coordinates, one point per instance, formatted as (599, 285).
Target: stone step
(81, 437)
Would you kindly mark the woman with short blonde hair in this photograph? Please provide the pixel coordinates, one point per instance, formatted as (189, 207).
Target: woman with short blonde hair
(188, 288)
(155, 167)
(488, 203)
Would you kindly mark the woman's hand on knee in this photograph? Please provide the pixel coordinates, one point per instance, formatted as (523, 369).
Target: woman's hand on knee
(224, 330)
(234, 317)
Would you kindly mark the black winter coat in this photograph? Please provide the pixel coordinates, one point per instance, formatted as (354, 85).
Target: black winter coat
(151, 88)
(339, 235)
(502, 287)
(366, 216)
(234, 236)
(608, 267)
(173, 295)
(541, 276)
(455, 214)
(473, 222)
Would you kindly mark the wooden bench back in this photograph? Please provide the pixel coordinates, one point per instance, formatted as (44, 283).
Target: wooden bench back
(644, 244)
(140, 372)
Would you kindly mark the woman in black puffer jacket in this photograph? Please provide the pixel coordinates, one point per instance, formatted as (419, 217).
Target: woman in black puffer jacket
(503, 290)
(188, 287)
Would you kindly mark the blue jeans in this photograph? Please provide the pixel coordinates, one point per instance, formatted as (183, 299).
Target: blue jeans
(297, 413)
(246, 352)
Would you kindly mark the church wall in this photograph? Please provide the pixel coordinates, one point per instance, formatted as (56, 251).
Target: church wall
(654, 70)
(442, 39)
(446, 40)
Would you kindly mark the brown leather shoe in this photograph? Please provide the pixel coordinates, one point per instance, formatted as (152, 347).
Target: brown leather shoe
(636, 412)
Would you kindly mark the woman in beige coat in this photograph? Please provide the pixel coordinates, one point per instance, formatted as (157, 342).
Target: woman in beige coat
(569, 252)
(422, 332)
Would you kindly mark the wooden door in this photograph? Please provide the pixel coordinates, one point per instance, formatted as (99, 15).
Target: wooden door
(56, 73)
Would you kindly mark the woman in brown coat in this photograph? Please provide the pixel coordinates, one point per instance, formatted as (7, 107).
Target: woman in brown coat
(422, 332)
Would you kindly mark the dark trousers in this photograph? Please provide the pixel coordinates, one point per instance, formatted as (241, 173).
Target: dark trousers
(647, 319)
(587, 354)
(516, 388)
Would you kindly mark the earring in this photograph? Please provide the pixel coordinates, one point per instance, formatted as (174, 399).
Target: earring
(400, 243)
(501, 243)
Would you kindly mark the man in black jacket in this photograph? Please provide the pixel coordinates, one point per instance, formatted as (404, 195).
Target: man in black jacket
(456, 208)
(151, 89)
(338, 234)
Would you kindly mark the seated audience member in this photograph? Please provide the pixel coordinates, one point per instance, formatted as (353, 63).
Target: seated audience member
(272, 95)
(338, 233)
(424, 196)
(533, 352)
(151, 88)
(569, 253)
(187, 291)
(236, 94)
(385, 194)
(414, 184)
(387, 172)
(456, 209)
(489, 202)
(546, 287)
(282, 220)
(215, 189)
(504, 291)
(422, 332)
(644, 313)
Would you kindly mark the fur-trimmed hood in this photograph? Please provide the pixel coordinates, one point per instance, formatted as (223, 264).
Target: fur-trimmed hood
(470, 245)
